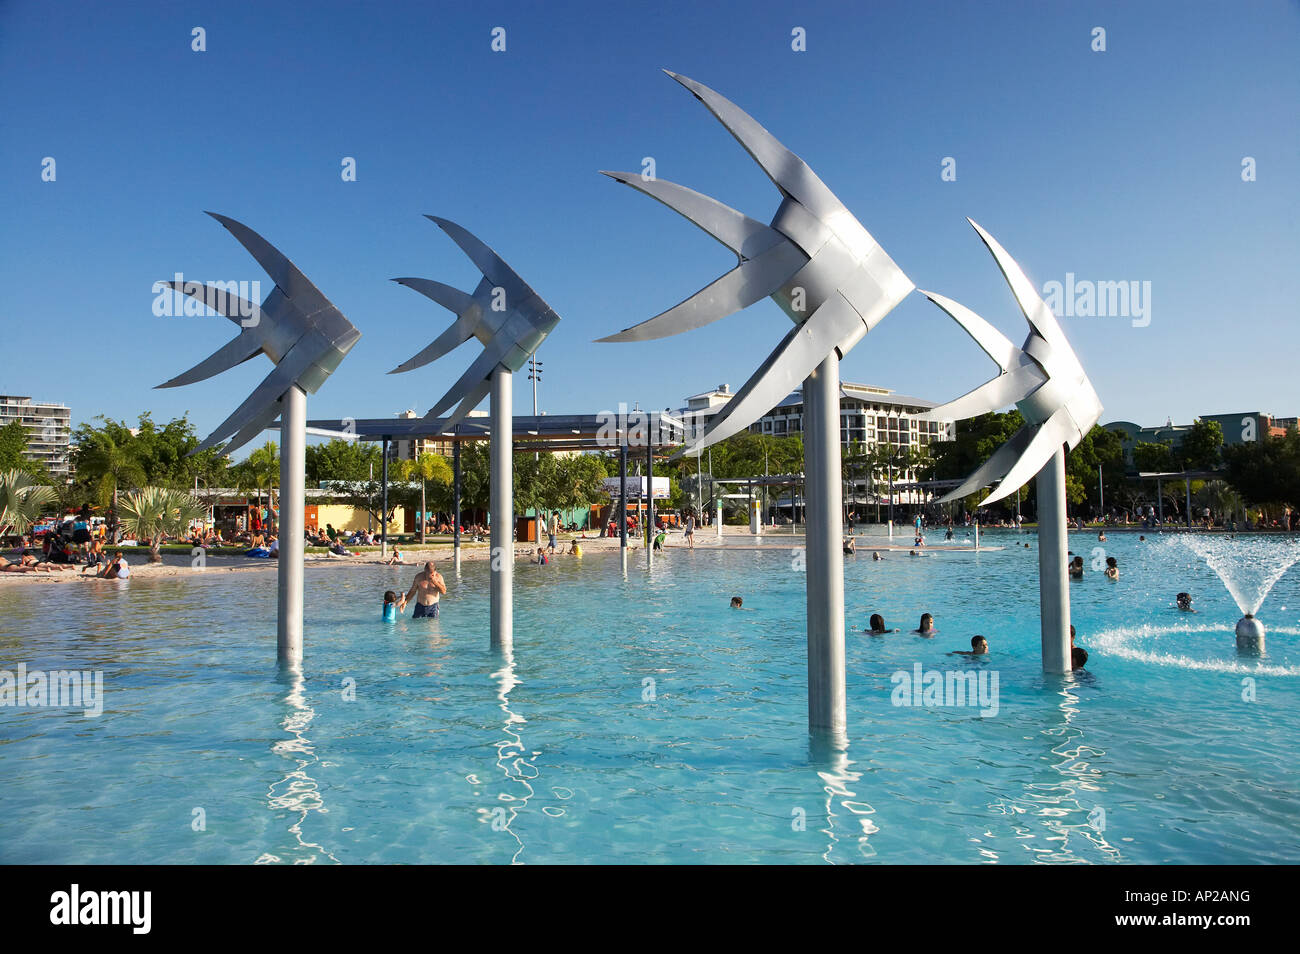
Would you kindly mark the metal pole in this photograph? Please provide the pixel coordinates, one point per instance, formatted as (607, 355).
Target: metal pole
(1189, 502)
(502, 557)
(455, 499)
(1053, 581)
(891, 497)
(293, 480)
(825, 557)
(383, 505)
(1101, 493)
(622, 499)
(649, 495)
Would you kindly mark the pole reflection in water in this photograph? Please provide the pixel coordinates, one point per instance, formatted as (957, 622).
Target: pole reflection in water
(297, 793)
(831, 752)
(1071, 806)
(512, 761)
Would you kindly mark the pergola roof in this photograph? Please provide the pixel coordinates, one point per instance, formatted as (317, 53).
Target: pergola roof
(549, 432)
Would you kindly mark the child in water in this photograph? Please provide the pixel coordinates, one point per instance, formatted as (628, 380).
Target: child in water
(390, 606)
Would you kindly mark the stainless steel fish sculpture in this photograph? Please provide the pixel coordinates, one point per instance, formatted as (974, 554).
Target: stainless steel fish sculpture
(296, 326)
(504, 313)
(815, 260)
(1043, 378)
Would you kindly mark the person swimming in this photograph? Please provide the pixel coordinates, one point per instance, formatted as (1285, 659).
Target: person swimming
(737, 603)
(875, 555)
(979, 646)
(1112, 568)
(1078, 657)
(878, 626)
(1184, 602)
(1076, 568)
(390, 606)
(850, 545)
(926, 628)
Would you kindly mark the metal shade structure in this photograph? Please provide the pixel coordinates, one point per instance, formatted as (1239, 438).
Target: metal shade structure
(1046, 382)
(306, 337)
(511, 321)
(835, 283)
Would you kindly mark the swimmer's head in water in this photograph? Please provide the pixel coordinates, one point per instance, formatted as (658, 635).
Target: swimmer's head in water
(737, 602)
(1184, 600)
(877, 623)
(875, 555)
(979, 644)
(1112, 562)
(1079, 657)
(927, 622)
(390, 596)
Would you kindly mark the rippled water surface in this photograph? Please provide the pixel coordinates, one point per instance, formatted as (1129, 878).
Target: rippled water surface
(639, 719)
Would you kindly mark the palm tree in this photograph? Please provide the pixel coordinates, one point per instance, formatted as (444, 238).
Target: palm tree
(110, 466)
(156, 512)
(425, 468)
(21, 501)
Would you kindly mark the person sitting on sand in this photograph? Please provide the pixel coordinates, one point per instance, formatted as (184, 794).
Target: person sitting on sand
(1184, 602)
(878, 626)
(979, 646)
(1112, 568)
(396, 558)
(926, 628)
(116, 569)
(574, 549)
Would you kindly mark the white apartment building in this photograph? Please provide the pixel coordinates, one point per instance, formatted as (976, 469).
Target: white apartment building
(48, 426)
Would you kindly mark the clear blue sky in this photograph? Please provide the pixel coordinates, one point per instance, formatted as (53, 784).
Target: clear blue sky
(1122, 165)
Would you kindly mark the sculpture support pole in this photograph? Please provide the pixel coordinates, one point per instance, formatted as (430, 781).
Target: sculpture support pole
(622, 500)
(293, 468)
(649, 498)
(1053, 580)
(502, 558)
(825, 557)
(383, 504)
(455, 500)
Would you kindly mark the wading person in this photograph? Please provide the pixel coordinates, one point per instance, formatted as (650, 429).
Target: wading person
(427, 589)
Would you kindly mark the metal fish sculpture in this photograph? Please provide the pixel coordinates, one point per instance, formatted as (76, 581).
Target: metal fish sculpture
(296, 326)
(504, 314)
(815, 260)
(1043, 378)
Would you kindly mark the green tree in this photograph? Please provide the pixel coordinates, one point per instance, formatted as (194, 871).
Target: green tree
(339, 459)
(158, 512)
(13, 446)
(1266, 471)
(1154, 458)
(1201, 447)
(422, 470)
(106, 462)
(22, 500)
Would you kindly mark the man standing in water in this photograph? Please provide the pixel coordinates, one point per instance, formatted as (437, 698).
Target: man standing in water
(427, 590)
